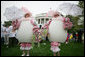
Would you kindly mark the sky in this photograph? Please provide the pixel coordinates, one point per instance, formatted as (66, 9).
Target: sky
(35, 7)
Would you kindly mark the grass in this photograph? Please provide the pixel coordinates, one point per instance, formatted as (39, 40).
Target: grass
(71, 49)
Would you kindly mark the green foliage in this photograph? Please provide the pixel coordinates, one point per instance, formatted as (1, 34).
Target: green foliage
(81, 4)
(7, 23)
(74, 20)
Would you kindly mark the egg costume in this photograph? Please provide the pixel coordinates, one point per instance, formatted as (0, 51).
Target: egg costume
(57, 30)
(24, 34)
(25, 29)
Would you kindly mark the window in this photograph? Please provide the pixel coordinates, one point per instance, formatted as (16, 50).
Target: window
(38, 21)
(42, 21)
(47, 20)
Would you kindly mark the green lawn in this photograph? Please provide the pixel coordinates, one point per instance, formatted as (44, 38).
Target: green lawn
(71, 49)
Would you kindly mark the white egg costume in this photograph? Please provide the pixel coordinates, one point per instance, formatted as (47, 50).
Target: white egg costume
(24, 33)
(56, 30)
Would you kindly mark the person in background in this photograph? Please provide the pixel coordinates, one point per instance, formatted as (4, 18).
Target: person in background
(43, 38)
(2, 34)
(39, 39)
(80, 36)
(12, 39)
(74, 36)
(71, 37)
(47, 36)
(67, 38)
(6, 35)
(83, 37)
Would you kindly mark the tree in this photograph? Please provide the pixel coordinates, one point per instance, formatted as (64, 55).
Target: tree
(75, 20)
(81, 5)
(7, 23)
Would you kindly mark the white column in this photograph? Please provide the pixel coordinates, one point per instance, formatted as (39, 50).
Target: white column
(44, 20)
(49, 18)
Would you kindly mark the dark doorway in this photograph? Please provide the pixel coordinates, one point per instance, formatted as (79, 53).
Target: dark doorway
(40, 26)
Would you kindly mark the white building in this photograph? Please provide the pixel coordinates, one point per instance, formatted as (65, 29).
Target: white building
(42, 19)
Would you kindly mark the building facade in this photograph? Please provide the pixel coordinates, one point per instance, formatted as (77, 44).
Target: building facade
(41, 19)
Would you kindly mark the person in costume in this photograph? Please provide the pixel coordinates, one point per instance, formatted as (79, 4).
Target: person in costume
(57, 31)
(24, 33)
